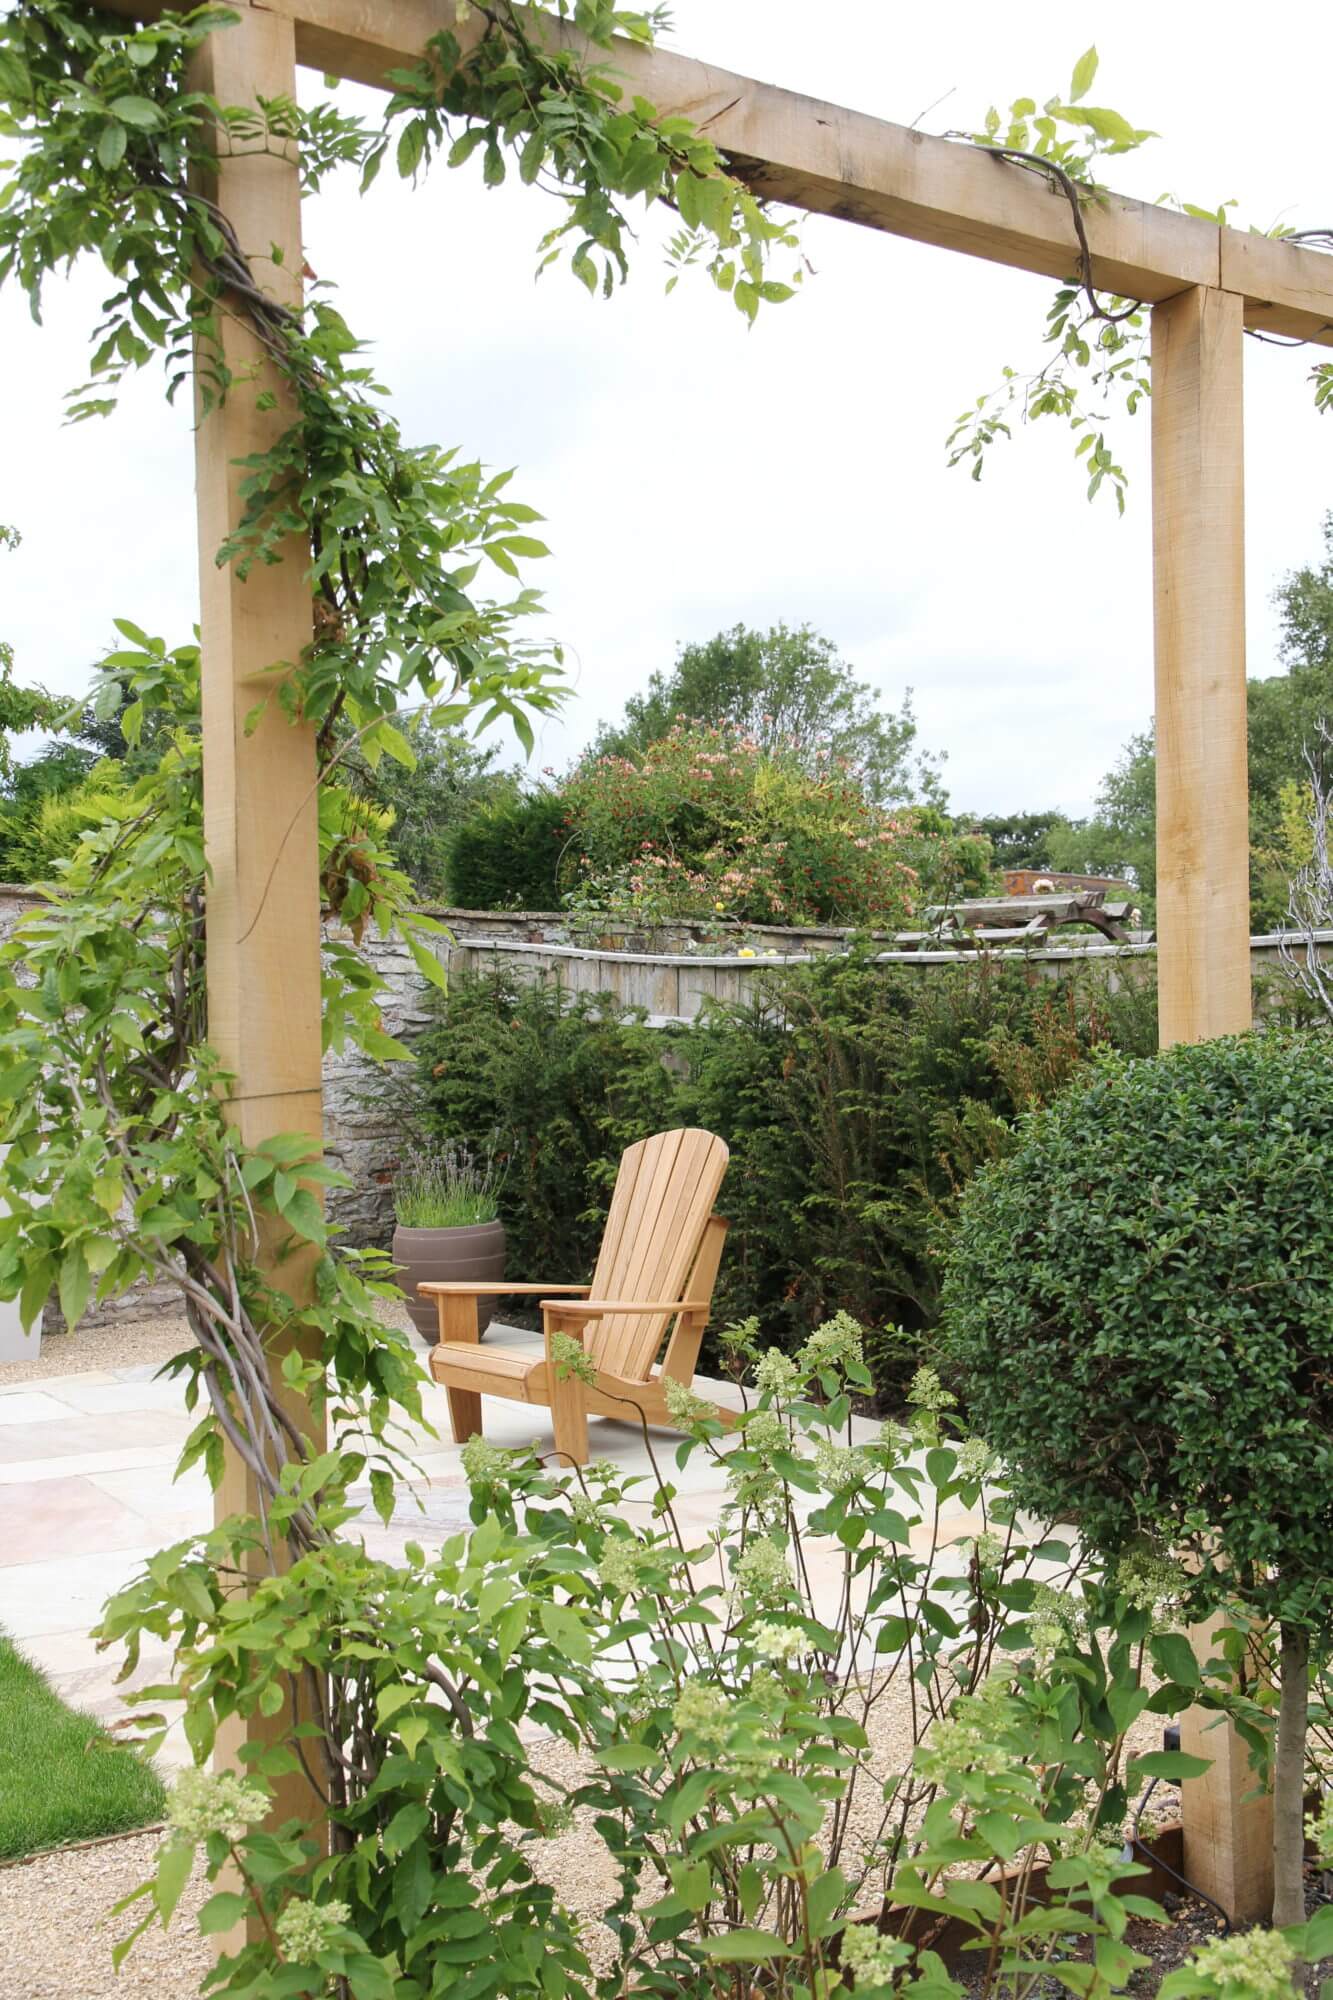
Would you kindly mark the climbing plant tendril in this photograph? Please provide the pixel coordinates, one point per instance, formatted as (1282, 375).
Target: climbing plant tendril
(1100, 360)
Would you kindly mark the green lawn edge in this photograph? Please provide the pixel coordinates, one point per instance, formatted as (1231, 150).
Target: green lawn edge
(62, 1777)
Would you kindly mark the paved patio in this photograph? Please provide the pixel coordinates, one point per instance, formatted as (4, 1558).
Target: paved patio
(87, 1493)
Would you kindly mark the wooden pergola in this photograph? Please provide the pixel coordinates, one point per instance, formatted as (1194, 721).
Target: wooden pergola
(1205, 285)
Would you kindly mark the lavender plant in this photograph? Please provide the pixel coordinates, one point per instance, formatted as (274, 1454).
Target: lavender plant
(446, 1187)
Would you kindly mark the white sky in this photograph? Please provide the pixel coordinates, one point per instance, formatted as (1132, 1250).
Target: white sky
(693, 474)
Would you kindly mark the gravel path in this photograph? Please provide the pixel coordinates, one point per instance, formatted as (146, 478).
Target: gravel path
(56, 1936)
(130, 1343)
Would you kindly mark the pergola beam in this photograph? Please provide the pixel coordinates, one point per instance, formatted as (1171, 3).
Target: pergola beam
(811, 155)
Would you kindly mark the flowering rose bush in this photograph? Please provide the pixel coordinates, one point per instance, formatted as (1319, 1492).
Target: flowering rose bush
(764, 1830)
(707, 825)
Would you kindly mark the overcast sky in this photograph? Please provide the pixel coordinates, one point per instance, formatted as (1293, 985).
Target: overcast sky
(693, 473)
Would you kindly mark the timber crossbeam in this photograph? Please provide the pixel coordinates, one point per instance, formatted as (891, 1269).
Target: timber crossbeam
(829, 160)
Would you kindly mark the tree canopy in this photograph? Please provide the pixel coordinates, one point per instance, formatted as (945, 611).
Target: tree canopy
(787, 689)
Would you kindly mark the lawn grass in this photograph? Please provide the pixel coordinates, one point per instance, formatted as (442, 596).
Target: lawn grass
(61, 1776)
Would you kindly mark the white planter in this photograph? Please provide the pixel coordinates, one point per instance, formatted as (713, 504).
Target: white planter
(15, 1344)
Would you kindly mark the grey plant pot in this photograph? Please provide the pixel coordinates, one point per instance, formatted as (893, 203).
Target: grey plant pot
(437, 1255)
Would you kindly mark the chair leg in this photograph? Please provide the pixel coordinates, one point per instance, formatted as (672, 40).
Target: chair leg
(569, 1418)
(464, 1414)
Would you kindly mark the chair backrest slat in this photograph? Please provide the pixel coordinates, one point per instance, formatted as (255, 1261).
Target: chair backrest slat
(660, 1206)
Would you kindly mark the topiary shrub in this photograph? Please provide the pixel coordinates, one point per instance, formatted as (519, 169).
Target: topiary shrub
(1139, 1304)
(507, 856)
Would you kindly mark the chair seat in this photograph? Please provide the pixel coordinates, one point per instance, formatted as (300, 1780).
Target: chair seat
(500, 1371)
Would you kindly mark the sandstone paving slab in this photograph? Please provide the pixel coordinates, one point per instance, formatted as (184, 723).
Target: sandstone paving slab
(32, 1406)
(58, 1517)
(52, 1596)
(148, 1458)
(109, 1399)
(79, 1433)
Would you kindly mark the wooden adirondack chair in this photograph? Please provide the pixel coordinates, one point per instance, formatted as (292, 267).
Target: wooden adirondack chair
(658, 1264)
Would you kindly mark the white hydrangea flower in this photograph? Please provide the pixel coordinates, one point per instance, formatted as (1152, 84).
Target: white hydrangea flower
(870, 1956)
(304, 1929)
(927, 1392)
(683, 1406)
(204, 1802)
(763, 1571)
(834, 1344)
(1248, 1965)
(777, 1374)
(1053, 1620)
(956, 1744)
(976, 1461)
(1151, 1581)
(777, 1642)
(485, 1464)
(619, 1566)
(764, 1431)
(838, 1466)
(703, 1711)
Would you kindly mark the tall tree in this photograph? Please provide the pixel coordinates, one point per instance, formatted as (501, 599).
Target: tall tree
(788, 690)
(1020, 840)
(1284, 714)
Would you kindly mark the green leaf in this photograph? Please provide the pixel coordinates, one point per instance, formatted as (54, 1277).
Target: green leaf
(405, 1826)
(463, 149)
(513, 1623)
(111, 146)
(629, 1756)
(397, 745)
(1173, 1656)
(75, 1283)
(304, 1214)
(1085, 69)
(566, 1630)
(1173, 1764)
(745, 1945)
(390, 1699)
(221, 1911)
(427, 964)
(139, 111)
(175, 1859)
(382, 1494)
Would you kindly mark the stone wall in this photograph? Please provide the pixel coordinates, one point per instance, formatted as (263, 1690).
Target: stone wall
(367, 1111)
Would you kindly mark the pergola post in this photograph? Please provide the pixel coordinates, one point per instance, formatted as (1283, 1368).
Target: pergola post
(1203, 830)
(1203, 871)
(260, 818)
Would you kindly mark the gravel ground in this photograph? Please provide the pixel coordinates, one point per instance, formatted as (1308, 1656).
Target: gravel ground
(56, 1936)
(131, 1343)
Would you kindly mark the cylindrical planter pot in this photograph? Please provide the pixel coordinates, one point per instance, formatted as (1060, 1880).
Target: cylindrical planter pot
(433, 1256)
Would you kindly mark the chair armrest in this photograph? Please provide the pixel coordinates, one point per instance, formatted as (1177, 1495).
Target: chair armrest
(469, 1288)
(603, 1308)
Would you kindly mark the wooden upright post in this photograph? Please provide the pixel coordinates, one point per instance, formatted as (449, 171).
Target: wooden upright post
(260, 823)
(1203, 870)
(1203, 838)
